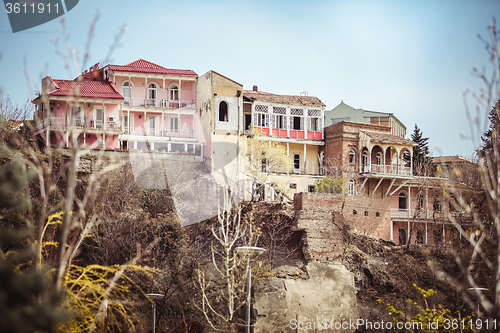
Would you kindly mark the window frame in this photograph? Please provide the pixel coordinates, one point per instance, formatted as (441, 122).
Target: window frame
(127, 85)
(351, 187)
(352, 156)
(295, 155)
(173, 91)
(226, 118)
(152, 93)
(170, 127)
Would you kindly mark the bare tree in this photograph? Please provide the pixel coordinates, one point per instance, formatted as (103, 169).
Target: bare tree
(221, 282)
(479, 282)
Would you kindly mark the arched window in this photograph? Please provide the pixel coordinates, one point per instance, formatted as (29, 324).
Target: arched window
(352, 156)
(352, 187)
(364, 163)
(152, 94)
(223, 116)
(420, 201)
(127, 93)
(402, 201)
(379, 158)
(173, 92)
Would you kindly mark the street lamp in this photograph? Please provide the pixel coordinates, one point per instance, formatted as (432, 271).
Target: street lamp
(477, 296)
(256, 251)
(154, 297)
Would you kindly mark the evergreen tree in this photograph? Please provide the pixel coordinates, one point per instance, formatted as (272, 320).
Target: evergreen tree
(492, 131)
(421, 160)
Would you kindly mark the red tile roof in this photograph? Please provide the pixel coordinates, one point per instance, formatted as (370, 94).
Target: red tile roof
(144, 66)
(85, 89)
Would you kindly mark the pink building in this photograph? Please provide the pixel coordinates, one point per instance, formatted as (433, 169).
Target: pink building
(140, 105)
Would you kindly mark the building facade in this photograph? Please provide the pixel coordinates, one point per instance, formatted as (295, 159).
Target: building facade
(137, 106)
(384, 199)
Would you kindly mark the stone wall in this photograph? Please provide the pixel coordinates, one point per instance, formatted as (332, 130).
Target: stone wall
(323, 216)
(311, 305)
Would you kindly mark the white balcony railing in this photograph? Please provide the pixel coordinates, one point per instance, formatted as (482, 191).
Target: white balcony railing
(164, 103)
(386, 169)
(416, 213)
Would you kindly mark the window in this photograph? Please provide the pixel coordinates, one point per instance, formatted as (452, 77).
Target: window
(438, 236)
(354, 212)
(402, 201)
(420, 236)
(98, 118)
(420, 201)
(377, 214)
(77, 113)
(152, 94)
(352, 187)
(366, 213)
(352, 156)
(402, 237)
(173, 124)
(261, 120)
(293, 186)
(297, 123)
(311, 188)
(437, 205)
(279, 121)
(128, 123)
(173, 92)
(296, 162)
(263, 162)
(127, 93)
(152, 125)
(314, 125)
(223, 116)
(364, 162)
(379, 158)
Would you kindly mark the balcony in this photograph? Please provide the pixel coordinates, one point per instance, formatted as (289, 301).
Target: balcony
(386, 169)
(158, 132)
(417, 214)
(60, 123)
(160, 103)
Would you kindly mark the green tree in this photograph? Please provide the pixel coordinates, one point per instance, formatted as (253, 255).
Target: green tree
(492, 132)
(421, 158)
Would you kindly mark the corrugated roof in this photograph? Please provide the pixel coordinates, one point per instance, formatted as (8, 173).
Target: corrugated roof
(388, 138)
(282, 99)
(85, 89)
(144, 66)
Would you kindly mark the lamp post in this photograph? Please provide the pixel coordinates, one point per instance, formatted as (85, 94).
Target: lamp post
(477, 296)
(154, 297)
(251, 250)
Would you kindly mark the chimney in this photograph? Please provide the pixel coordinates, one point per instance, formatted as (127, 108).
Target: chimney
(255, 88)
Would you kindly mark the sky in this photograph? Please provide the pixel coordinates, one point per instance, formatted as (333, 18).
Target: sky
(410, 58)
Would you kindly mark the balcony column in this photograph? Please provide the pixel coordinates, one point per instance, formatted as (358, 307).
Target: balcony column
(305, 158)
(383, 162)
(146, 91)
(288, 123)
(409, 201)
(104, 127)
(163, 91)
(288, 149)
(129, 123)
(180, 94)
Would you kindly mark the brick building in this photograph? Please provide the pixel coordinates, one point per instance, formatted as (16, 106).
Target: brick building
(384, 198)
